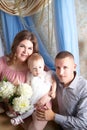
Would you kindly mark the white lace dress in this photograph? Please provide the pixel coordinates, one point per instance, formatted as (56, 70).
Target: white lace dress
(40, 85)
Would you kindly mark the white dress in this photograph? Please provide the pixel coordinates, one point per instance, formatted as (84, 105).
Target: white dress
(40, 85)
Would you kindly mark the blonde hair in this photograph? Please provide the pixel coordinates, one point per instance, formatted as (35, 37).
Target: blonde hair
(34, 57)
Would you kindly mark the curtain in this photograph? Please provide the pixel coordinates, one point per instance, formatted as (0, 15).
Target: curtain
(13, 24)
(66, 28)
(1, 47)
(22, 7)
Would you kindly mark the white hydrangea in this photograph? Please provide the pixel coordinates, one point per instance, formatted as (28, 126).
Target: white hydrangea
(24, 90)
(20, 95)
(7, 89)
(21, 104)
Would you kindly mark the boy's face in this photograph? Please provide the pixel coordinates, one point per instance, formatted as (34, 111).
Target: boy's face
(37, 67)
(65, 68)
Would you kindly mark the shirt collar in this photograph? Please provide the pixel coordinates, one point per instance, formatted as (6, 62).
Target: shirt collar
(72, 84)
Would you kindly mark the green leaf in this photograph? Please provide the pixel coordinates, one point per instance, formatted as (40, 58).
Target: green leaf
(11, 99)
(1, 99)
(5, 79)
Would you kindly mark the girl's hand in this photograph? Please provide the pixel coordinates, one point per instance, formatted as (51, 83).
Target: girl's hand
(52, 94)
(42, 101)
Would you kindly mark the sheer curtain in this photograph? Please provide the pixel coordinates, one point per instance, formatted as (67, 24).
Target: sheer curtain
(1, 47)
(65, 27)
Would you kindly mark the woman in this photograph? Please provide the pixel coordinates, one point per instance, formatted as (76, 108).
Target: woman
(14, 66)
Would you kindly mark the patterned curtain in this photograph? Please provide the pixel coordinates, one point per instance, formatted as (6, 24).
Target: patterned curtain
(22, 7)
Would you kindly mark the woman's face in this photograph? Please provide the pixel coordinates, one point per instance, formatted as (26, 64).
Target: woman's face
(24, 50)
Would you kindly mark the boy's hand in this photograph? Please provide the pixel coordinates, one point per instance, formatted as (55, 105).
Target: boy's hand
(45, 114)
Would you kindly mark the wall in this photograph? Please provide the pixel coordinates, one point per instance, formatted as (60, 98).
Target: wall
(81, 13)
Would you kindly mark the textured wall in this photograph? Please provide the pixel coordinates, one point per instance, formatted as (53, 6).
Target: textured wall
(81, 13)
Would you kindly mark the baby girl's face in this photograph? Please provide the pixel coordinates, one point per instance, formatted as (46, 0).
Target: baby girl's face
(37, 67)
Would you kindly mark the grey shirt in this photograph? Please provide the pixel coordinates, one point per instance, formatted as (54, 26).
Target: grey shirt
(72, 105)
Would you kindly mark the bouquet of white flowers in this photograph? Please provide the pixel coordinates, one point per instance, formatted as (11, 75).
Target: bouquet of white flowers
(7, 89)
(22, 103)
(17, 97)
(24, 90)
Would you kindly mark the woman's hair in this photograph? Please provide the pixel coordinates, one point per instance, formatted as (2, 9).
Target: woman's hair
(23, 35)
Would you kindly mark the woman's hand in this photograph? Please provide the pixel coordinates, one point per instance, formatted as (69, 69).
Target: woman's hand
(9, 109)
(16, 81)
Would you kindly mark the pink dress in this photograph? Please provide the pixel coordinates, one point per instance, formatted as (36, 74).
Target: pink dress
(10, 74)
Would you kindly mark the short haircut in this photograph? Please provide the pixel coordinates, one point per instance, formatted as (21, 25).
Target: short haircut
(64, 54)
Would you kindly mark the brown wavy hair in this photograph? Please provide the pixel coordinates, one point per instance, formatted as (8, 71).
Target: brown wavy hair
(25, 34)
